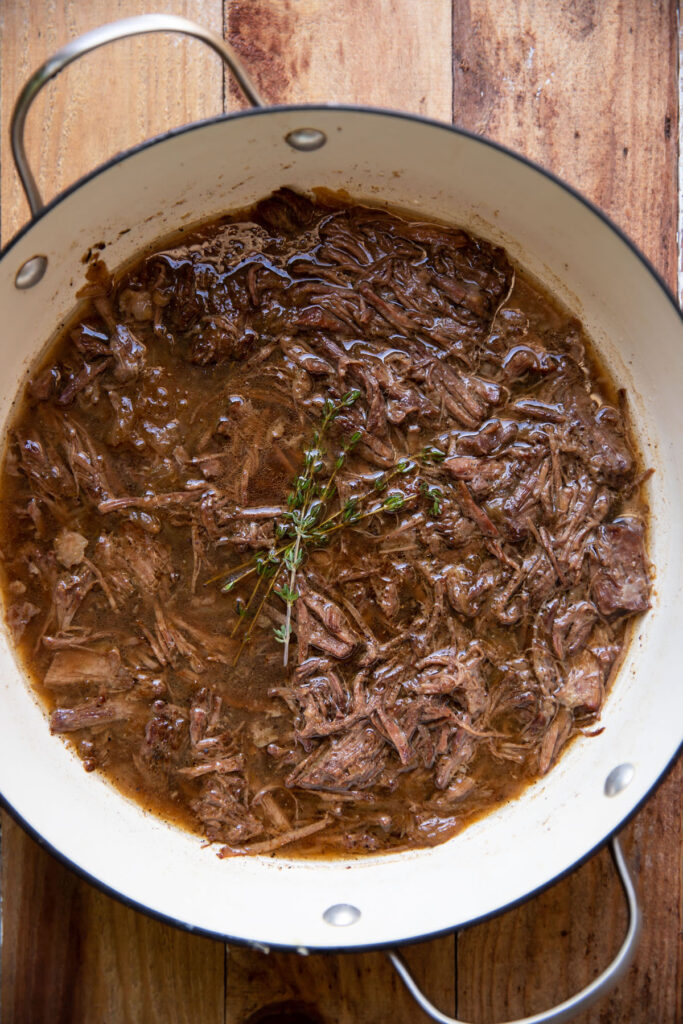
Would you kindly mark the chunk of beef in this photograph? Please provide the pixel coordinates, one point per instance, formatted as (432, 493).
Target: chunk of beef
(592, 431)
(474, 511)
(91, 467)
(205, 714)
(216, 338)
(129, 353)
(546, 668)
(219, 766)
(554, 739)
(461, 750)
(621, 583)
(460, 675)
(353, 761)
(324, 706)
(467, 398)
(136, 304)
(79, 380)
(70, 590)
(386, 594)
(572, 627)
(303, 356)
(494, 434)
(43, 465)
(482, 475)
(285, 212)
(533, 409)
(292, 835)
(516, 700)
(395, 734)
(78, 667)
(44, 384)
(521, 360)
(166, 736)
(468, 588)
(90, 714)
(609, 454)
(131, 559)
(19, 614)
(172, 645)
(583, 686)
(604, 646)
(249, 536)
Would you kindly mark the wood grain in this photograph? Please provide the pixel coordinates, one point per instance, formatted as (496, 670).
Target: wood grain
(588, 88)
(109, 100)
(391, 53)
(589, 91)
(69, 953)
(345, 989)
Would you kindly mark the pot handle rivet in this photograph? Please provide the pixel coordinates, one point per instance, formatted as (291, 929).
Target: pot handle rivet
(619, 778)
(341, 915)
(31, 272)
(306, 139)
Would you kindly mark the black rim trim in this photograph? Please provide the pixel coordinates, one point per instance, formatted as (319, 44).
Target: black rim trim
(654, 273)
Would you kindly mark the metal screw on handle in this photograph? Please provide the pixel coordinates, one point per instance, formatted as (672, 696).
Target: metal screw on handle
(570, 1007)
(141, 25)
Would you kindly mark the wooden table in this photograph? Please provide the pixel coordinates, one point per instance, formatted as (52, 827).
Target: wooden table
(588, 89)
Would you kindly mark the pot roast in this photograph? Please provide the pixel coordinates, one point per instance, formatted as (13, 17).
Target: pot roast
(322, 529)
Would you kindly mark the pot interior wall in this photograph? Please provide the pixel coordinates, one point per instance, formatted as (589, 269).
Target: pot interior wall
(435, 172)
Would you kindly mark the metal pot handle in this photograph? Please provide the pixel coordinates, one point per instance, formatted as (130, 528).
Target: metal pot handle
(566, 1010)
(140, 25)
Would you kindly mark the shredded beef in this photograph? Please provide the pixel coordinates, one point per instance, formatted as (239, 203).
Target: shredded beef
(460, 620)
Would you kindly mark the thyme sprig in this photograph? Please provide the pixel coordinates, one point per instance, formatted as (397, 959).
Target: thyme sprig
(306, 503)
(306, 524)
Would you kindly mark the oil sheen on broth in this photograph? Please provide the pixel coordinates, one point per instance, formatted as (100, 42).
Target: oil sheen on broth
(321, 530)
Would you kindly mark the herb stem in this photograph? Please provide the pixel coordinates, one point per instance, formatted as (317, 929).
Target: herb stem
(366, 515)
(246, 609)
(361, 498)
(288, 618)
(263, 601)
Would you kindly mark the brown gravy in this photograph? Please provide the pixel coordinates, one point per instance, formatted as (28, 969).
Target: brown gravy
(412, 475)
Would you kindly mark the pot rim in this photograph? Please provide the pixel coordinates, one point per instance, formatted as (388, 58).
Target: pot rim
(610, 224)
(359, 109)
(266, 947)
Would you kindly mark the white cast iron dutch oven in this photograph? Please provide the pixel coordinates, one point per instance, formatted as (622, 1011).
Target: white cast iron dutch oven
(230, 162)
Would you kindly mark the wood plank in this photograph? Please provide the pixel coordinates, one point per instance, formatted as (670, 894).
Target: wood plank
(390, 53)
(347, 989)
(110, 99)
(69, 953)
(351, 52)
(589, 91)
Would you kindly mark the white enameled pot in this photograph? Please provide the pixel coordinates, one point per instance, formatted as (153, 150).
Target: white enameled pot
(436, 171)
